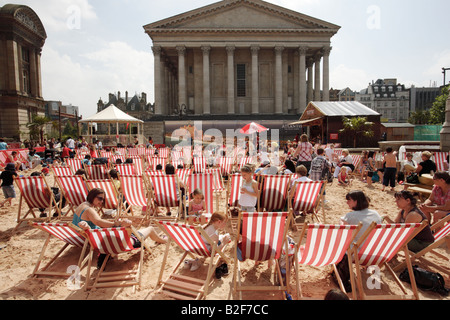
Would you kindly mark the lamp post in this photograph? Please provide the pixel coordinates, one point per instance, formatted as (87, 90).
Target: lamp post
(444, 70)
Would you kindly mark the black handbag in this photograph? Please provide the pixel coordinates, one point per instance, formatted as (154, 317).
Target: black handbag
(426, 280)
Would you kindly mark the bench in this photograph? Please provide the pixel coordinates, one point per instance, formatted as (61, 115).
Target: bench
(423, 192)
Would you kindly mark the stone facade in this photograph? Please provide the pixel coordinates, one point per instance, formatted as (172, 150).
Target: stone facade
(445, 132)
(22, 37)
(237, 57)
(136, 105)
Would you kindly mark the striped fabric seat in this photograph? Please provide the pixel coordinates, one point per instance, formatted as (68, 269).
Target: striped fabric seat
(325, 244)
(126, 169)
(226, 165)
(204, 182)
(379, 244)
(135, 191)
(159, 161)
(75, 164)
(74, 189)
(115, 157)
(243, 161)
(199, 164)
(67, 235)
(184, 175)
(263, 235)
(96, 172)
(307, 197)
(37, 194)
(234, 189)
(110, 241)
(59, 171)
(111, 194)
(440, 158)
(274, 192)
(165, 190)
(164, 152)
(217, 179)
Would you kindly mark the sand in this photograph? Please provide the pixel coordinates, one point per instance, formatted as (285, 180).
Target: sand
(20, 251)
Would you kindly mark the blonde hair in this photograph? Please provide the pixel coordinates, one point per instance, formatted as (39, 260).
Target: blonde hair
(301, 170)
(427, 154)
(304, 138)
(345, 151)
(247, 168)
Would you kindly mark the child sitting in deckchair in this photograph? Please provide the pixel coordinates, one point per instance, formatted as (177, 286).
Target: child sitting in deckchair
(197, 208)
(343, 177)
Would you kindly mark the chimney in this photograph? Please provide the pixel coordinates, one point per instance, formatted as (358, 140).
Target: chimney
(126, 96)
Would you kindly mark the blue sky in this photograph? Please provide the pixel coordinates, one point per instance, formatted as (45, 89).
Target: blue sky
(97, 47)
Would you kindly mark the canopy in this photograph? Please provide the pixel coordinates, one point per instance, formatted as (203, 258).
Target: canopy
(253, 128)
(112, 114)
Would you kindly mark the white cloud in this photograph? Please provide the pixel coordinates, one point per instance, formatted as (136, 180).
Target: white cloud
(343, 76)
(115, 67)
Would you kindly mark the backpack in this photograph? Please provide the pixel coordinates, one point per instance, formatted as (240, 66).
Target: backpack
(426, 280)
(413, 178)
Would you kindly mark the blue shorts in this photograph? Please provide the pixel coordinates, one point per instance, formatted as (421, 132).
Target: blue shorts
(9, 192)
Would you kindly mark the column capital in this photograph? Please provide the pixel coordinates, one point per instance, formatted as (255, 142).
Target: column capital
(230, 49)
(181, 50)
(303, 50)
(157, 50)
(326, 51)
(255, 49)
(206, 49)
(317, 57)
(279, 49)
(309, 62)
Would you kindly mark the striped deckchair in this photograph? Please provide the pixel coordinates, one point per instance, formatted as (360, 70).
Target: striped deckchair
(441, 233)
(226, 165)
(67, 235)
(243, 161)
(233, 193)
(75, 164)
(163, 152)
(199, 164)
(36, 194)
(114, 158)
(105, 154)
(113, 241)
(62, 171)
(3, 158)
(192, 240)
(440, 158)
(138, 164)
(126, 169)
(96, 172)
(379, 244)
(324, 245)
(74, 190)
(165, 192)
(157, 161)
(184, 175)
(307, 198)
(135, 191)
(112, 199)
(204, 182)
(263, 236)
(274, 192)
(218, 185)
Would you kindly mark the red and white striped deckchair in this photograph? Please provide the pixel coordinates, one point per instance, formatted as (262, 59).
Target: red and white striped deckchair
(135, 191)
(177, 163)
(307, 198)
(243, 161)
(218, 186)
(184, 175)
(199, 164)
(441, 233)
(122, 151)
(132, 152)
(105, 154)
(324, 245)
(440, 158)
(74, 190)
(3, 158)
(204, 182)
(192, 240)
(176, 155)
(379, 244)
(226, 165)
(263, 236)
(114, 158)
(70, 237)
(96, 172)
(163, 152)
(113, 241)
(157, 161)
(126, 169)
(274, 192)
(138, 164)
(75, 164)
(62, 171)
(112, 198)
(36, 193)
(166, 192)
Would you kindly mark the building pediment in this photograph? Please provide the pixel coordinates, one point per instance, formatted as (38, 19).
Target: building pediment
(24, 16)
(241, 16)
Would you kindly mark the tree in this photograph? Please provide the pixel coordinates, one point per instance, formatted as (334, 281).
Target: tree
(36, 127)
(437, 111)
(420, 117)
(357, 126)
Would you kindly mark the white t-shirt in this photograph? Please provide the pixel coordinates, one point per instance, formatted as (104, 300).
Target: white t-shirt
(366, 217)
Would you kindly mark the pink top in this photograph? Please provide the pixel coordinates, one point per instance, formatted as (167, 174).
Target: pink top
(305, 151)
(196, 207)
(440, 198)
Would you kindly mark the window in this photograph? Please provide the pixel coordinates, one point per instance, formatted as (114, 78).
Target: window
(26, 70)
(241, 80)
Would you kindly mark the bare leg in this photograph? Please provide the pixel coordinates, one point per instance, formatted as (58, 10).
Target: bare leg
(150, 231)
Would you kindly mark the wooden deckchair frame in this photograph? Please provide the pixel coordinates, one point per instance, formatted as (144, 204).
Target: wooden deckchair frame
(81, 243)
(356, 281)
(183, 287)
(315, 208)
(238, 287)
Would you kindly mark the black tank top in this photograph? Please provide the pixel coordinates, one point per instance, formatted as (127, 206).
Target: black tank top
(425, 235)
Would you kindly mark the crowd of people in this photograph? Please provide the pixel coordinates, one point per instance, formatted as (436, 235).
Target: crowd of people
(302, 160)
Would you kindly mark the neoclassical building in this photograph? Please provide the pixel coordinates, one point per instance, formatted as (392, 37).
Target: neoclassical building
(22, 37)
(240, 57)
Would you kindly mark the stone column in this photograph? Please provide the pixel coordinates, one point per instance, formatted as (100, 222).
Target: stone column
(182, 92)
(310, 63)
(255, 79)
(317, 59)
(326, 73)
(279, 79)
(206, 80)
(157, 54)
(445, 132)
(302, 82)
(231, 91)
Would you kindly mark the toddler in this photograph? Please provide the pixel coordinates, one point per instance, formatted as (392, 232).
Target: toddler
(7, 178)
(197, 208)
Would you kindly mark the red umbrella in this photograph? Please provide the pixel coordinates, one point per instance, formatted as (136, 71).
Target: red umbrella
(253, 128)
